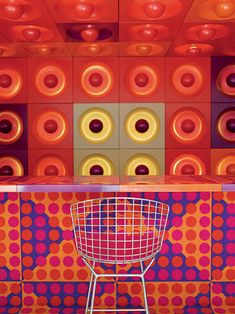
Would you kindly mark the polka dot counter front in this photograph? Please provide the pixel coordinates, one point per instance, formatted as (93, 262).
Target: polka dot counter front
(41, 272)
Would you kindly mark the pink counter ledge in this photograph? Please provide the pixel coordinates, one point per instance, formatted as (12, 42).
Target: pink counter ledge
(118, 184)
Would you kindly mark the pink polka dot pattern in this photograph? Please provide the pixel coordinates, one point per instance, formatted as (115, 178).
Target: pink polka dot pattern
(48, 248)
(10, 297)
(185, 254)
(223, 297)
(63, 296)
(223, 237)
(180, 296)
(10, 256)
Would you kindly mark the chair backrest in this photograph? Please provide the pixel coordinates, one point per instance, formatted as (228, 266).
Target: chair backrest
(119, 229)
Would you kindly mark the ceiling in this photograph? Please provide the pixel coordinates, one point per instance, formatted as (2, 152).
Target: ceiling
(98, 28)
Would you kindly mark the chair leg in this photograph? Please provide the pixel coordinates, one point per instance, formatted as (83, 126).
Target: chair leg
(89, 293)
(93, 294)
(145, 295)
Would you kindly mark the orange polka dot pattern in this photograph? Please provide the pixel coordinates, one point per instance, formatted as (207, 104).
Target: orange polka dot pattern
(41, 270)
(223, 237)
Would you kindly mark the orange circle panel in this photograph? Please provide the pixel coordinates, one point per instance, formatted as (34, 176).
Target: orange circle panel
(225, 119)
(226, 166)
(58, 85)
(19, 10)
(188, 126)
(13, 163)
(187, 164)
(50, 165)
(222, 84)
(142, 80)
(192, 88)
(97, 80)
(15, 83)
(15, 123)
(50, 126)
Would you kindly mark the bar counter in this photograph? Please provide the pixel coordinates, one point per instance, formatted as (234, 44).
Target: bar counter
(41, 272)
(118, 184)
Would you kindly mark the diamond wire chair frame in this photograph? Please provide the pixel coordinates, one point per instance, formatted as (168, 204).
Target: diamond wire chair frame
(118, 230)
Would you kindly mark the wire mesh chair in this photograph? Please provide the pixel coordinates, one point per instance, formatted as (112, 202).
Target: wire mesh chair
(118, 230)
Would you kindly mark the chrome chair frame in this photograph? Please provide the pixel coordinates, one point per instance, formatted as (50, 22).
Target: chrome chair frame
(128, 221)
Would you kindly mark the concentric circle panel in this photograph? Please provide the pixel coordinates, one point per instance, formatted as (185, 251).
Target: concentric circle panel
(11, 127)
(50, 126)
(226, 166)
(188, 126)
(50, 165)
(96, 164)
(226, 125)
(11, 82)
(226, 81)
(141, 164)
(96, 125)
(19, 10)
(187, 164)
(31, 33)
(97, 80)
(142, 80)
(11, 166)
(187, 80)
(142, 125)
(51, 81)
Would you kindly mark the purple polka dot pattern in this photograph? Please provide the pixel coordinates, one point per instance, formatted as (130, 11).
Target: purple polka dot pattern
(181, 258)
(223, 237)
(10, 256)
(36, 233)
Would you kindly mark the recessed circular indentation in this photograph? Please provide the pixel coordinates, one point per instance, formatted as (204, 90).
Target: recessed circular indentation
(194, 50)
(154, 9)
(96, 125)
(12, 11)
(97, 80)
(11, 127)
(6, 171)
(146, 119)
(141, 170)
(224, 9)
(5, 80)
(226, 166)
(142, 126)
(19, 10)
(206, 32)
(188, 126)
(10, 165)
(226, 125)
(51, 170)
(50, 126)
(230, 80)
(32, 33)
(50, 165)
(90, 34)
(188, 169)
(96, 170)
(142, 164)
(5, 126)
(10, 83)
(188, 80)
(45, 50)
(187, 164)
(142, 80)
(148, 34)
(96, 164)
(83, 10)
(50, 81)
(226, 80)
